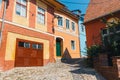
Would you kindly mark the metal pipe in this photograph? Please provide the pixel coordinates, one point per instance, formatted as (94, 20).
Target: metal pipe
(3, 20)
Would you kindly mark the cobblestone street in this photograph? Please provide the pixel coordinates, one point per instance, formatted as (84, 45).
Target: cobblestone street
(52, 71)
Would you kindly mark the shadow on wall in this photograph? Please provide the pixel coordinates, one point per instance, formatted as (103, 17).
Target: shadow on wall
(66, 57)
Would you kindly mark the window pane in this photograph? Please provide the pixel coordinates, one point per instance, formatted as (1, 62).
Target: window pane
(67, 24)
(23, 2)
(42, 19)
(21, 7)
(41, 16)
(27, 45)
(38, 18)
(60, 21)
(73, 45)
(73, 26)
(34, 46)
(42, 11)
(21, 44)
(40, 46)
(82, 28)
(23, 11)
(18, 9)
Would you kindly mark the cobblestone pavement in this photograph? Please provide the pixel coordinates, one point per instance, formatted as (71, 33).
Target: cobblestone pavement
(81, 72)
(52, 71)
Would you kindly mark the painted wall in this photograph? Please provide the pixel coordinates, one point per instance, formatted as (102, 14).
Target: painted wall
(11, 41)
(67, 35)
(83, 47)
(93, 29)
(25, 28)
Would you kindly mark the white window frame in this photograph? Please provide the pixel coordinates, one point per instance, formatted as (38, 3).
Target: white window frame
(72, 45)
(73, 25)
(67, 24)
(60, 19)
(41, 14)
(22, 6)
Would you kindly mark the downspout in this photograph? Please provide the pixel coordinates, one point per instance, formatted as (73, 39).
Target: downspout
(3, 20)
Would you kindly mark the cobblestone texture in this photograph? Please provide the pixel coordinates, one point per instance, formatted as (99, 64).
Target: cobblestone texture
(52, 71)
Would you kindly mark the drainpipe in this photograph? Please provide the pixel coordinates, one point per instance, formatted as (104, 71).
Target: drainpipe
(3, 20)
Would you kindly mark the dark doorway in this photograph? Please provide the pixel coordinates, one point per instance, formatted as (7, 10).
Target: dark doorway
(59, 43)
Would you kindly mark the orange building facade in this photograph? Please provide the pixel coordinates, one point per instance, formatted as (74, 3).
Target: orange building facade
(28, 37)
(66, 31)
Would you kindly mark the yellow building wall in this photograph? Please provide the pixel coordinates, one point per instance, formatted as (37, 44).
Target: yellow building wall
(25, 20)
(11, 45)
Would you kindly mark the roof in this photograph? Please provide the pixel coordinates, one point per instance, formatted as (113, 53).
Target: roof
(61, 7)
(55, 3)
(100, 8)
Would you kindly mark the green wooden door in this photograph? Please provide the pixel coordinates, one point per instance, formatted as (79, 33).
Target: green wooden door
(58, 49)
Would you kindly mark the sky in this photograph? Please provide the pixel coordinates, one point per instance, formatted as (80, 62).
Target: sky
(76, 4)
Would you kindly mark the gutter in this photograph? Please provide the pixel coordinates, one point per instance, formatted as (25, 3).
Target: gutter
(3, 21)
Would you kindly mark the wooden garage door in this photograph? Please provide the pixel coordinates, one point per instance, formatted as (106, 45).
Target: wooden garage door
(28, 53)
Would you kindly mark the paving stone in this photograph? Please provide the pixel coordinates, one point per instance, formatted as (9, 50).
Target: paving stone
(52, 71)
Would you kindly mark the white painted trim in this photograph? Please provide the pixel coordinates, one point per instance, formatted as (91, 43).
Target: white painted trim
(19, 25)
(59, 37)
(16, 24)
(67, 32)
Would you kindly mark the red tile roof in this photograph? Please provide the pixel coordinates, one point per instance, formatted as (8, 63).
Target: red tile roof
(99, 8)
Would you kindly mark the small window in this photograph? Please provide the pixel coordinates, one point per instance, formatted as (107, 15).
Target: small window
(104, 31)
(73, 45)
(60, 21)
(21, 44)
(41, 16)
(27, 45)
(21, 7)
(24, 44)
(82, 28)
(67, 24)
(36, 46)
(73, 26)
(40, 46)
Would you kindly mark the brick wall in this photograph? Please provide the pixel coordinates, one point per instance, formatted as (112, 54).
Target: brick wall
(109, 72)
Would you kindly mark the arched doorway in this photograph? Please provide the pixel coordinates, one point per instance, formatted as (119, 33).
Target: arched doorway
(59, 47)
